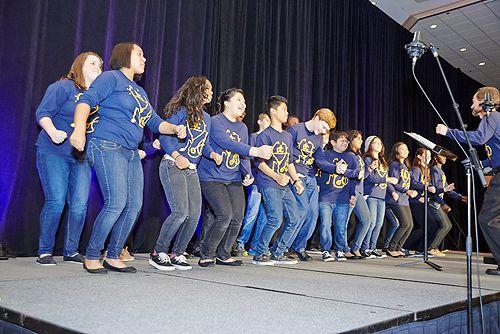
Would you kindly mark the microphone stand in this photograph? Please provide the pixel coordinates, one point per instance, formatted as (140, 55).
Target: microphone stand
(415, 50)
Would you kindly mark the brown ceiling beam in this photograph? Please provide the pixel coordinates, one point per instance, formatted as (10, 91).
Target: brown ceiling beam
(414, 18)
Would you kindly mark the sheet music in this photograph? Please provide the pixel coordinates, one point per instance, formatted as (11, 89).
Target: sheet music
(422, 140)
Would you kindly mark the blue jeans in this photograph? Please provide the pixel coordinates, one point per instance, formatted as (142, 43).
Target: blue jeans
(339, 212)
(183, 193)
(376, 207)
(365, 222)
(391, 227)
(278, 202)
(259, 226)
(63, 181)
(121, 180)
(307, 204)
(251, 216)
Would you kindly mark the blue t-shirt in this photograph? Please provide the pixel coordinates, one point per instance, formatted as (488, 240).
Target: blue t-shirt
(418, 184)
(306, 146)
(124, 109)
(357, 181)
(334, 188)
(59, 104)
(230, 140)
(253, 162)
(375, 183)
(438, 180)
(196, 142)
(282, 145)
(400, 172)
(488, 134)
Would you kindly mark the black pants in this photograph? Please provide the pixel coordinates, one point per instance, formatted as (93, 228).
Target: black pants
(228, 203)
(489, 217)
(416, 238)
(403, 214)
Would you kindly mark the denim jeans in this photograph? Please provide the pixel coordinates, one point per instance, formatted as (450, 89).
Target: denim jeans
(259, 226)
(376, 207)
(251, 216)
(183, 193)
(228, 202)
(392, 226)
(339, 212)
(365, 221)
(307, 204)
(121, 181)
(63, 181)
(278, 202)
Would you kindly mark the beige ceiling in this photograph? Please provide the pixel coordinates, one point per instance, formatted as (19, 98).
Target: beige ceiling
(474, 25)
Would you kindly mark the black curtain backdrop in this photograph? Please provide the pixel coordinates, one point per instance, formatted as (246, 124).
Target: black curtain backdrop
(343, 54)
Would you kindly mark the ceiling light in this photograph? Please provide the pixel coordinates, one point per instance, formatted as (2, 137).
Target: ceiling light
(463, 49)
(434, 26)
(482, 63)
(373, 2)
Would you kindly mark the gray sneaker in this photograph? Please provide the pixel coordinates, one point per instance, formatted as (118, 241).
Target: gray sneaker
(283, 259)
(47, 260)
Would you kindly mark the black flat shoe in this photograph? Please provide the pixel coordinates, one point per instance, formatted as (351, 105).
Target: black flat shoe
(130, 270)
(235, 263)
(491, 271)
(206, 264)
(95, 271)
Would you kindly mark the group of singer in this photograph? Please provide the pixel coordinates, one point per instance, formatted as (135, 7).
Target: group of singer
(303, 180)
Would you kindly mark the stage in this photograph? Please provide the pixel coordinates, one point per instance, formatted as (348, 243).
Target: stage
(358, 296)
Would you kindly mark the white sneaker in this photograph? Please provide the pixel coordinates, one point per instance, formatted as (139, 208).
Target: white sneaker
(161, 261)
(180, 262)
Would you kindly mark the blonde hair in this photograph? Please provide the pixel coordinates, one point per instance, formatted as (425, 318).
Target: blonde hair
(327, 116)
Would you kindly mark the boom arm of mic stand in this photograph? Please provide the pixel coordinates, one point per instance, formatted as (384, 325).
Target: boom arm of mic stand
(472, 151)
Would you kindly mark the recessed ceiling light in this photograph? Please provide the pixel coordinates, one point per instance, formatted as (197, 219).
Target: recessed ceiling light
(463, 49)
(434, 26)
(373, 2)
(482, 63)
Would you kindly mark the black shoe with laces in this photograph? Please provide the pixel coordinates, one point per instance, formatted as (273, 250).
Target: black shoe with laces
(180, 262)
(160, 261)
(47, 260)
(303, 256)
(77, 258)
(262, 260)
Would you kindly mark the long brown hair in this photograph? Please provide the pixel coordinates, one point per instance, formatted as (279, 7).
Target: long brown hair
(416, 162)
(381, 155)
(394, 154)
(76, 71)
(191, 96)
(351, 135)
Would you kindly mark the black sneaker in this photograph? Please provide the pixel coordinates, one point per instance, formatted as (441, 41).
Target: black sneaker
(47, 260)
(378, 255)
(161, 261)
(262, 260)
(77, 258)
(303, 256)
(327, 257)
(340, 256)
(283, 259)
(180, 263)
(367, 255)
(289, 255)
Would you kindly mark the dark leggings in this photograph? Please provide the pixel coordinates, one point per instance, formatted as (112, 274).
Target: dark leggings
(403, 214)
(416, 239)
(228, 202)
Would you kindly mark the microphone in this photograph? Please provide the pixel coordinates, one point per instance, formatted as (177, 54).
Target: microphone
(416, 48)
(488, 105)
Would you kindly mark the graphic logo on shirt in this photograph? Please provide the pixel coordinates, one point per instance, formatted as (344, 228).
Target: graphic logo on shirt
(143, 111)
(362, 167)
(92, 119)
(337, 181)
(443, 180)
(280, 158)
(405, 177)
(232, 160)
(197, 135)
(306, 149)
(489, 151)
(382, 173)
